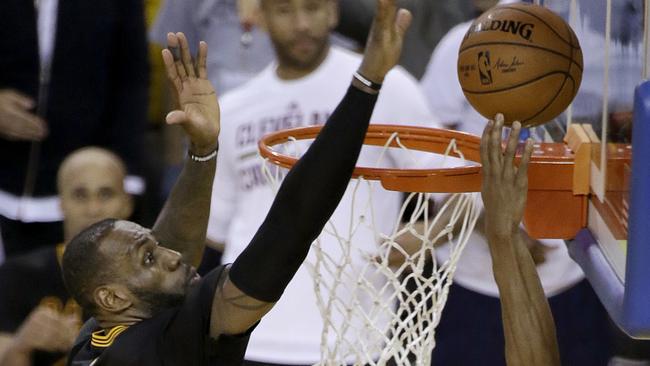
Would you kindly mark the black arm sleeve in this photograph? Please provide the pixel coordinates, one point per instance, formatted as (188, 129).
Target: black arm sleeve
(307, 198)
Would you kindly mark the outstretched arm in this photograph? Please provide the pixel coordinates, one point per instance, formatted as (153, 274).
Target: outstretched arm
(183, 222)
(310, 192)
(527, 320)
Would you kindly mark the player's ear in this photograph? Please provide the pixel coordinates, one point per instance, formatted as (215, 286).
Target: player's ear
(112, 298)
(333, 12)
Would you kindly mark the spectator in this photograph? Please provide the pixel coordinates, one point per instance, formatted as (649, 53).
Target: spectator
(73, 74)
(242, 51)
(40, 322)
(302, 87)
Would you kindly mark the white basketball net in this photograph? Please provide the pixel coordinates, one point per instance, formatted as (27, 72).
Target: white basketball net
(369, 315)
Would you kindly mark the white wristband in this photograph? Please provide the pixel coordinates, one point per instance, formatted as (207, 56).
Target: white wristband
(203, 159)
(367, 82)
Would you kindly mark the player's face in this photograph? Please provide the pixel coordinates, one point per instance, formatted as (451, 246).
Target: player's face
(156, 276)
(91, 193)
(300, 29)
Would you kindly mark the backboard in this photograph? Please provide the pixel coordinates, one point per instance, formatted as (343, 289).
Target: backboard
(614, 251)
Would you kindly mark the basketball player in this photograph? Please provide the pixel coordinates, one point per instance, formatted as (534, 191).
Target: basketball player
(38, 319)
(473, 305)
(148, 305)
(150, 308)
(528, 326)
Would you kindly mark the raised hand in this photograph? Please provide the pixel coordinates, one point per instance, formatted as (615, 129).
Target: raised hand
(198, 111)
(16, 120)
(385, 40)
(528, 325)
(504, 184)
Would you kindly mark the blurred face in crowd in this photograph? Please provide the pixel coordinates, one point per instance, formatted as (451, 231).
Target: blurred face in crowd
(299, 30)
(91, 188)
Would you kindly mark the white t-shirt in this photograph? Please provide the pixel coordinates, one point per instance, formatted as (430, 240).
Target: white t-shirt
(442, 88)
(291, 332)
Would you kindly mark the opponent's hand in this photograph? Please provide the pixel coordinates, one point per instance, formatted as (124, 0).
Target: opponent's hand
(385, 40)
(505, 185)
(198, 111)
(46, 329)
(16, 121)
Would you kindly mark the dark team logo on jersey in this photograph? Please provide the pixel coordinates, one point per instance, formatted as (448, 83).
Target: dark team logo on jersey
(485, 67)
(524, 30)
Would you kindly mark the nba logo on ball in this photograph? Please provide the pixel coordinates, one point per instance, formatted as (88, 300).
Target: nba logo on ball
(521, 60)
(484, 67)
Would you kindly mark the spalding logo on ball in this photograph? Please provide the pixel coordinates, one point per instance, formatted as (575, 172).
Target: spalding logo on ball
(521, 60)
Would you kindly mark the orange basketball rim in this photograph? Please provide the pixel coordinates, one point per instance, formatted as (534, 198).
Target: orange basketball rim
(557, 185)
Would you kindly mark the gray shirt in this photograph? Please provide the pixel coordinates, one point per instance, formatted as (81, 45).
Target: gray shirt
(216, 22)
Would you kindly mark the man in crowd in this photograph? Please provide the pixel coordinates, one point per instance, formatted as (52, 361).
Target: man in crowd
(73, 74)
(38, 319)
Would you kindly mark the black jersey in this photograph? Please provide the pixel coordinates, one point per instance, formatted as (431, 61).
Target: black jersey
(176, 336)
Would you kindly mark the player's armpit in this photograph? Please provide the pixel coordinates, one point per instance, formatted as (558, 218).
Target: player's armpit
(234, 312)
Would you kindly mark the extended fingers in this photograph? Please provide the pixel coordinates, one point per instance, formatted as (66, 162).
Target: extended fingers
(186, 57)
(522, 171)
(174, 46)
(403, 21)
(513, 140)
(170, 68)
(494, 144)
(485, 151)
(202, 60)
(386, 11)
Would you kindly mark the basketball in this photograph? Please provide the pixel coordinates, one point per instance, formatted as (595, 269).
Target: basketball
(521, 60)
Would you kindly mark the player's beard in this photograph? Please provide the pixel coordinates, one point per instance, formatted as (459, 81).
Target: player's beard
(157, 301)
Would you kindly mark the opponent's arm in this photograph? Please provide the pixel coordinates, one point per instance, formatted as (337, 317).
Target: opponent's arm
(527, 320)
(310, 192)
(183, 222)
